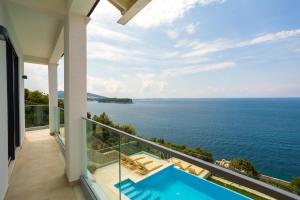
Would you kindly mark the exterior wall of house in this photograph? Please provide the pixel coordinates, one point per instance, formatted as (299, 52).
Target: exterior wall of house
(3, 116)
(3, 123)
(4, 21)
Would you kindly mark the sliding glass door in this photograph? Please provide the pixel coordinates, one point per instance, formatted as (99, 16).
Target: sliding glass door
(12, 100)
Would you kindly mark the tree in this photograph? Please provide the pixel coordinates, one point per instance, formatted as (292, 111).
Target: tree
(89, 115)
(103, 118)
(128, 128)
(32, 113)
(61, 103)
(244, 166)
(195, 152)
(35, 98)
(296, 184)
(39, 98)
(107, 135)
(26, 93)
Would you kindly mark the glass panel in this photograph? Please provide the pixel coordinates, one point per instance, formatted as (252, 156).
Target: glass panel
(140, 163)
(148, 173)
(119, 166)
(36, 115)
(102, 160)
(61, 123)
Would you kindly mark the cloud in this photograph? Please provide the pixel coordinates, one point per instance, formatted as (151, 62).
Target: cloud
(198, 68)
(98, 31)
(185, 43)
(296, 50)
(169, 54)
(167, 11)
(157, 83)
(37, 77)
(196, 48)
(105, 86)
(271, 37)
(190, 28)
(151, 83)
(105, 13)
(105, 51)
(204, 48)
(172, 34)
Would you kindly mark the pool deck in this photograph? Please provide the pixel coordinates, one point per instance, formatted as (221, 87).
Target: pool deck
(106, 177)
(242, 188)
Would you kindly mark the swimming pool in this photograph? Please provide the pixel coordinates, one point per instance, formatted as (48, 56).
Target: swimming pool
(174, 184)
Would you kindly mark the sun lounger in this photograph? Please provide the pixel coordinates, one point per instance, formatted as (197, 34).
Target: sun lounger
(145, 169)
(128, 159)
(144, 161)
(195, 170)
(133, 164)
(137, 163)
(180, 163)
(183, 165)
(175, 161)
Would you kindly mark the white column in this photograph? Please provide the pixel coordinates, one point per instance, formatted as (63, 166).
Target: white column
(75, 58)
(52, 81)
(22, 100)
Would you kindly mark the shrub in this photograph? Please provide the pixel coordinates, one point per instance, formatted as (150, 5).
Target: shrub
(296, 184)
(92, 168)
(243, 166)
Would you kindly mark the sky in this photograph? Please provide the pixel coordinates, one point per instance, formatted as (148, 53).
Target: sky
(191, 49)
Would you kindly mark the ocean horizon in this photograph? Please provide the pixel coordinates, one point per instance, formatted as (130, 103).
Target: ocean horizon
(265, 131)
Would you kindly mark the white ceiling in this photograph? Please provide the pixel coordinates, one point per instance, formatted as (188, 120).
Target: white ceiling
(38, 25)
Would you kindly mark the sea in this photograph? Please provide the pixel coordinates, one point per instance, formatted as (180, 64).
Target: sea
(265, 131)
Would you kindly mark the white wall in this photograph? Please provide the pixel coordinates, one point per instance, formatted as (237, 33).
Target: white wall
(3, 122)
(4, 21)
(3, 116)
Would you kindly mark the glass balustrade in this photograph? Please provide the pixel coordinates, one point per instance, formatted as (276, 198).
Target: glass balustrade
(102, 155)
(36, 116)
(119, 165)
(60, 123)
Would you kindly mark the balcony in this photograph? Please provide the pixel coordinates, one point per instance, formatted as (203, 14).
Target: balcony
(118, 165)
(39, 170)
(83, 156)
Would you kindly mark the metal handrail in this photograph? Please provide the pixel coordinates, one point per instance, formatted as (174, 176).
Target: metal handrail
(235, 177)
(61, 108)
(38, 105)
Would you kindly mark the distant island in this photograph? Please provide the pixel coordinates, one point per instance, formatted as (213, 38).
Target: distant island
(115, 100)
(100, 99)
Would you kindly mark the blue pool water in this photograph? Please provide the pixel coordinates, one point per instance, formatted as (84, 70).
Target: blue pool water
(174, 184)
(265, 131)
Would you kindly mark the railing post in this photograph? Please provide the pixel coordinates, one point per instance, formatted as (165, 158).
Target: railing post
(84, 148)
(56, 119)
(52, 80)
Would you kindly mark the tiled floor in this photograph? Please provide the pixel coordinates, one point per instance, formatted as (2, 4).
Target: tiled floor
(38, 173)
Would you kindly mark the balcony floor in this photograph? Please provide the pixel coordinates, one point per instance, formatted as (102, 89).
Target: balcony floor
(39, 170)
